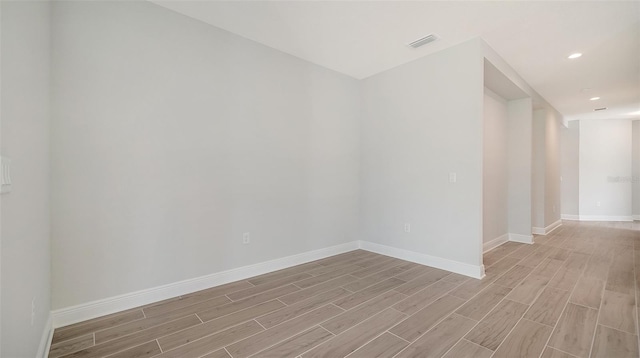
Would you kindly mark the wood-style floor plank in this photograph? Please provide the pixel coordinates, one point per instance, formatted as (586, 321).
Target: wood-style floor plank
(514, 276)
(162, 308)
(354, 338)
(214, 312)
(420, 322)
(368, 293)
(81, 329)
(300, 308)
(528, 289)
(480, 305)
(548, 307)
(466, 349)
(421, 282)
(437, 341)
(354, 316)
(526, 340)
(421, 299)
(132, 340)
(277, 334)
(618, 311)
(297, 344)
(309, 292)
(386, 345)
(210, 327)
(214, 342)
(145, 350)
(609, 343)
(72, 345)
(495, 327)
(588, 292)
(574, 332)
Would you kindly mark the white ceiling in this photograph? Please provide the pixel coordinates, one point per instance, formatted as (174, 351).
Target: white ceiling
(362, 38)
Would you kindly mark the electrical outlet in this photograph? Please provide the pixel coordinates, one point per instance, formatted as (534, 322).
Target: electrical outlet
(246, 238)
(407, 227)
(33, 311)
(598, 203)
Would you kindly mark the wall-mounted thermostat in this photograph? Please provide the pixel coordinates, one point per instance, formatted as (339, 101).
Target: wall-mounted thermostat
(5, 175)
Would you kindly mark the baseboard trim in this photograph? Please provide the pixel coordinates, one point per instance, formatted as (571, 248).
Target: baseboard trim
(552, 227)
(47, 336)
(606, 218)
(570, 217)
(490, 245)
(636, 217)
(525, 239)
(424, 259)
(547, 230)
(70, 315)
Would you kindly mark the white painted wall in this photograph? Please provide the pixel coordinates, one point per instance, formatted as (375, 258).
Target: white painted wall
(420, 122)
(494, 167)
(519, 159)
(552, 194)
(570, 148)
(636, 169)
(171, 138)
(605, 153)
(24, 109)
(546, 193)
(538, 170)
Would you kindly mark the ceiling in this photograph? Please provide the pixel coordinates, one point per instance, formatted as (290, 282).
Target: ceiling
(363, 38)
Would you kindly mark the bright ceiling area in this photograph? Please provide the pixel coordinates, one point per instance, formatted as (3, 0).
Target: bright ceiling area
(363, 38)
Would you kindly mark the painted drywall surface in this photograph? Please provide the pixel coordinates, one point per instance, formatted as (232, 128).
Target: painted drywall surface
(519, 165)
(25, 211)
(635, 166)
(570, 145)
(172, 138)
(494, 167)
(552, 201)
(421, 122)
(538, 168)
(605, 169)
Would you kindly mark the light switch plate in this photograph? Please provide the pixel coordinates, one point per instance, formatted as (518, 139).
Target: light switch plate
(5, 175)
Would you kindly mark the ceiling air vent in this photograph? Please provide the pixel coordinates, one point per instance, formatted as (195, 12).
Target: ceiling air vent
(423, 41)
(600, 109)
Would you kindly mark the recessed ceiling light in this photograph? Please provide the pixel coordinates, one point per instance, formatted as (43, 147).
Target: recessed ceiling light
(575, 55)
(594, 98)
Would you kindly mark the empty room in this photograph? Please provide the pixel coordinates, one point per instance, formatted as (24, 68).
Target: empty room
(234, 179)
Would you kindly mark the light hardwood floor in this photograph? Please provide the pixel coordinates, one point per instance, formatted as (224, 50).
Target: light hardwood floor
(574, 293)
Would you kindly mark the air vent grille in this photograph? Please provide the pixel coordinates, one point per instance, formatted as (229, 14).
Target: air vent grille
(600, 109)
(423, 41)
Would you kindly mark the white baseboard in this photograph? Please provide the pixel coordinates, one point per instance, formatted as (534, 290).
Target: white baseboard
(569, 217)
(525, 239)
(553, 226)
(70, 315)
(606, 218)
(45, 340)
(547, 230)
(636, 217)
(490, 245)
(424, 259)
